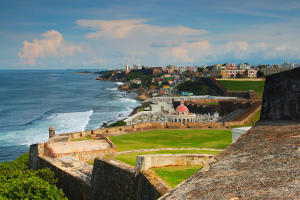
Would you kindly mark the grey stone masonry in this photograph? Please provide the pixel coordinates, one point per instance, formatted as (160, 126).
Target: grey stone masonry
(281, 100)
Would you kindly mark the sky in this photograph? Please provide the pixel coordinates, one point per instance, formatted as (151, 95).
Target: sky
(63, 34)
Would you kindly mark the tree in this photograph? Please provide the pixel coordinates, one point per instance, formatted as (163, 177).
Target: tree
(200, 69)
(238, 75)
(197, 87)
(260, 74)
(18, 182)
(245, 73)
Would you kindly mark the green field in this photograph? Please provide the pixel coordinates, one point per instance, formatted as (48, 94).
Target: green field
(173, 138)
(175, 175)
(257, 86)
(130, 158)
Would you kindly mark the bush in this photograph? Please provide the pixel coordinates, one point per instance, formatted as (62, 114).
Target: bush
(196, 87)
(118, 123)
(18, 182)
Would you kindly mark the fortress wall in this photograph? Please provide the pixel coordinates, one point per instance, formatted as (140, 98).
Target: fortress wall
(245, 116)
(149, 126)
(73, 187)
(81, 155)
(281, 99)
(145, 162)
(35, 151)
(113, 180)
(115, 130)
(86, 155)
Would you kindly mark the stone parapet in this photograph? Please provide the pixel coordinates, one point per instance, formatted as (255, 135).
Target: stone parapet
(145, 162)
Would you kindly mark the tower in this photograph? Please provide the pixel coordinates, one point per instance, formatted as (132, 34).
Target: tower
(51, 131)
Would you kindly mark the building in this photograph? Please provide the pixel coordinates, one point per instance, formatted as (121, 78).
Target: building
(135, 66)
(181, 115)
(127, 67)
(244, 66)
(251, 73)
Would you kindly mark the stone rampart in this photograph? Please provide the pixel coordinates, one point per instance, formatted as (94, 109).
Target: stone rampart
(75, 186)
(150, 126)
(145, 162)
(245, 116)
(281, 99)
(116, 180)
(115, 130)
(83, 150)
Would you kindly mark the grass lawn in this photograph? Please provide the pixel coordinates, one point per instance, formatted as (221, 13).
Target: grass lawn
(257, 86)
(173, 138)
(175, 175)
(130, 158)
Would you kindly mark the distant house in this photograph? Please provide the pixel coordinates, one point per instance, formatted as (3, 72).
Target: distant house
(244, 66)
(252, 73)
(136, 81)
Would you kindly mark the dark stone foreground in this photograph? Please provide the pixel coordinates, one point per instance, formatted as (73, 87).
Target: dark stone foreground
(262, 164)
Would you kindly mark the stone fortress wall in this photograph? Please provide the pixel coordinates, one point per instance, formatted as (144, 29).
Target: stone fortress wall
(277, 106)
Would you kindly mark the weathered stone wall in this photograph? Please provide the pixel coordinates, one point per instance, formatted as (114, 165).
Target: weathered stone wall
(149, 126)
(35, 151)
(281, 99)
(115, 181)
(83, 155)
(115, 130)
(145, 162)
(73, 187)
(245, 116)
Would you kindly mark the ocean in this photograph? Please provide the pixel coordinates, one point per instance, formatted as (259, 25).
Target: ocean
(32, 100)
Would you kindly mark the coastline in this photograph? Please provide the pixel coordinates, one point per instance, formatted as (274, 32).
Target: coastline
(127, 91)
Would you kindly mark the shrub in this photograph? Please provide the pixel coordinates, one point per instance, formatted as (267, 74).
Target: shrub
(18, 182)
(118, 123)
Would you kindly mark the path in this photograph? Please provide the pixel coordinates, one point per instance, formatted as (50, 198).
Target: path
(165, 149)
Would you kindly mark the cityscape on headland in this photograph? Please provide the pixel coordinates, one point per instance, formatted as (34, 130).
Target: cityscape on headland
(164, 81)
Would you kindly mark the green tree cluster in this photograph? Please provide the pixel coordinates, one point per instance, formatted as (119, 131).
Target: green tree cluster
(197, 87)
(18, 182)
(118, 123)
(106, 75)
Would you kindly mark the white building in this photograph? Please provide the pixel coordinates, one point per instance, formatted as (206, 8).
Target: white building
(127, 68)
(181, 115)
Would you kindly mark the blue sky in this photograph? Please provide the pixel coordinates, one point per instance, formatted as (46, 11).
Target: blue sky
(109, 34)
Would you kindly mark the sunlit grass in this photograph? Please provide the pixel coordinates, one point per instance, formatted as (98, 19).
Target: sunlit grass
(175, 175)
(170, 138)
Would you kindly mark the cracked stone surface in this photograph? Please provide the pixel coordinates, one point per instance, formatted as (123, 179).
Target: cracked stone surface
(74, 167)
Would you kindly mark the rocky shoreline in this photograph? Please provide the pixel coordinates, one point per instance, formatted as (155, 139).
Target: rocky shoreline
(125, 88)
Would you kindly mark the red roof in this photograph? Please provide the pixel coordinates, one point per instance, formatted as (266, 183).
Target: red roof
(182, 108)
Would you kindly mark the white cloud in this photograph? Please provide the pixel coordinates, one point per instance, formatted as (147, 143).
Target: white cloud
(188, 51)
(125, 28)
(51, 44)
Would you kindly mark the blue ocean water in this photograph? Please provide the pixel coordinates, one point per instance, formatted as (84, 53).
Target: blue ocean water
(30, 101)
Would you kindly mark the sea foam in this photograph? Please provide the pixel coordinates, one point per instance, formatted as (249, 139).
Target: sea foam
(70, 122)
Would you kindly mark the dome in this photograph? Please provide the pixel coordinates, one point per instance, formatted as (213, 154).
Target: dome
(182, 108)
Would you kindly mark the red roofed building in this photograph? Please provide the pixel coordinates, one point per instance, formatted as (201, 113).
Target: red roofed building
(182, 115)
